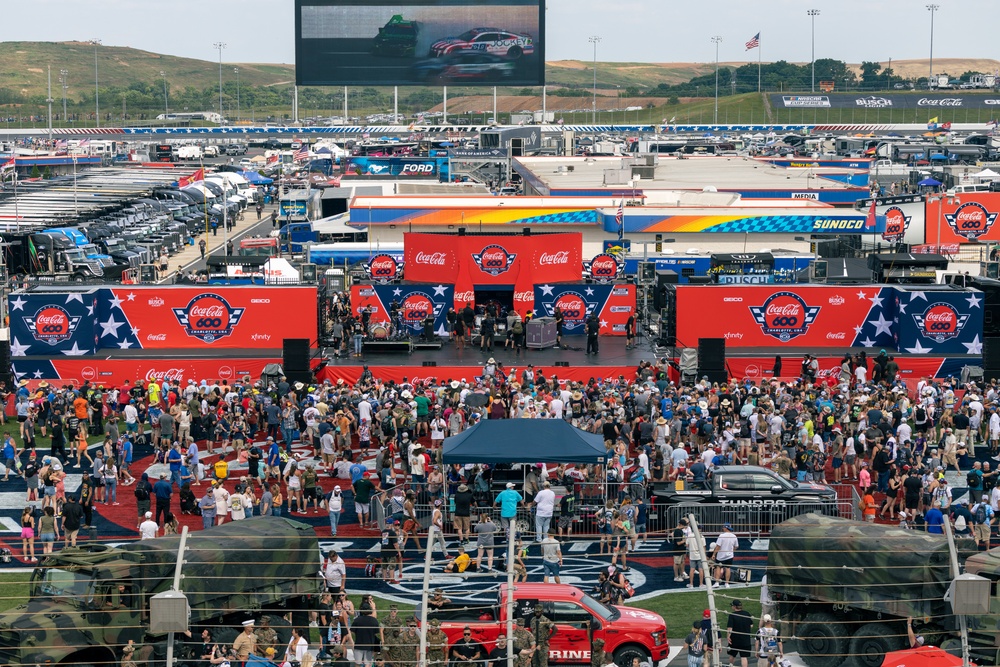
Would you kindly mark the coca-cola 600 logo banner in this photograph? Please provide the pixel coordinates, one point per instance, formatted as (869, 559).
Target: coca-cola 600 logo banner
(83, 323)
(471, 260)
(413, 304)
(611, 304)
(968, 218)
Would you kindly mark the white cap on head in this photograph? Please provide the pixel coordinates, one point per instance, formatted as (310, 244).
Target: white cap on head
(248, 624)
(766, 618)
(149, 515)
(510, 485)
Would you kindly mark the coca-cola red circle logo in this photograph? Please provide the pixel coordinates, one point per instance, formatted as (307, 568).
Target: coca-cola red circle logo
(970, 220)
(494, 259)
(940, 322)
(896, 223)
(88, 373)
(415, 308)
(383, 268)
(574, 310)
(225, 372)
(604, 268)
(52, 324)
(784, 315)
(208, 317)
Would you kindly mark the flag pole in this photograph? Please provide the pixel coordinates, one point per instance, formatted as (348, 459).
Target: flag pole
(17, 215)
(759, 49)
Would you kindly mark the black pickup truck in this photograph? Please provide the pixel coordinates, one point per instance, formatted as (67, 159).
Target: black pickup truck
(749, 498)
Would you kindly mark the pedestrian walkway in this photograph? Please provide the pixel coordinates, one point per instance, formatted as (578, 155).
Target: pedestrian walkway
(215, 244)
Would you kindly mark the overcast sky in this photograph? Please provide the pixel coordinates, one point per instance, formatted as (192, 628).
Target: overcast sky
(630, 30)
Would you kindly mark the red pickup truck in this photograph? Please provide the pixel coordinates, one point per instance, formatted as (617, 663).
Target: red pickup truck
(627, 632)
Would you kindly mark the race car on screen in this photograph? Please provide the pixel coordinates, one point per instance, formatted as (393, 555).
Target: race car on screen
(491, 40)
(465, 66)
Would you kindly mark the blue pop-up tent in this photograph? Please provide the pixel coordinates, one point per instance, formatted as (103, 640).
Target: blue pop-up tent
(255, 178)
(524, 441)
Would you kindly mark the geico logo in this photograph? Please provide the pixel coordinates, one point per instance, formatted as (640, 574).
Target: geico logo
(260, 301)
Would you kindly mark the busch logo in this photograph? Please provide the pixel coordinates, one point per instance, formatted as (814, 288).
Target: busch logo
(603, 268)
(159, 336)
(431, 259)
(494, 259)
(970, 220)
(574, 308)
(208, 317)
(784, 315)
(560, 257)
(526, 295)
(156, 302)
(171, 375)
(52, 324)
(415, 308)
(940, 322)
(896, 224)
(383, 268)
(836, 300)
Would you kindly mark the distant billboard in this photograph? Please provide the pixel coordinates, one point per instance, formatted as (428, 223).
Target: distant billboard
(916, 100)
(419, 42)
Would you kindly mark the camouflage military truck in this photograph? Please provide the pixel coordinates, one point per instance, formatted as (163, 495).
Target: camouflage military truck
(87, 602)
(845, 589)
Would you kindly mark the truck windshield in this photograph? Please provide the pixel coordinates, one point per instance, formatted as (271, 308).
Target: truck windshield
(75, 255)
(63, 583)
(598, 608)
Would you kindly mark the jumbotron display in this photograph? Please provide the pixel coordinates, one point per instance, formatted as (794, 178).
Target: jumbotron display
(419, 42)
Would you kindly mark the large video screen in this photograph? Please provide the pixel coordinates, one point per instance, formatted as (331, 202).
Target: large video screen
(419, 42)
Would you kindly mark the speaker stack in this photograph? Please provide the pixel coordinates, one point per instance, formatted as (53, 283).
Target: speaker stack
(991, 358)
(712, 359)
(295, 360)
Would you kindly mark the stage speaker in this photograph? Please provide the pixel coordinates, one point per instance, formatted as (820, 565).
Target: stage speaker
(667, 325)
(712, 353)
(429, 363)
(647, 273)
(991, 358)
(295, 359)
(664, 277)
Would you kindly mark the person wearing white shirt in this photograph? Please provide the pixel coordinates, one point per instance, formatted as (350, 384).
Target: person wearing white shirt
(859, 373)
(148, 528)
(725, 552)
(334, 572)
(297, 647)
(904, 432)
(438, 428)
(708, 456)
(644, 463)
(365, 409)
(556, 406)
(545, 503)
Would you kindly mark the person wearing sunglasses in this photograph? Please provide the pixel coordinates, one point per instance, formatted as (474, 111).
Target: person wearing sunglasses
(466, 650)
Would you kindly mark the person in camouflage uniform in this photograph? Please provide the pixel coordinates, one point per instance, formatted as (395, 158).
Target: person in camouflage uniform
(541, 630)
(266, 636)
(391, 647)
(598, 658)
(409, 645)
(393, 620)
(437, 644)
(128, 655)
(524, 644)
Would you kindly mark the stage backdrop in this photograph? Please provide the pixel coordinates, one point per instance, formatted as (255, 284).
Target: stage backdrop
(415, 302)
(115, 371)
(518, 262)
(612, 303)
(821, 316)
(80, 323)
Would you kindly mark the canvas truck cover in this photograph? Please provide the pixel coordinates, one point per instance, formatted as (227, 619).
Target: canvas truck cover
(877, 567)
(239, 565)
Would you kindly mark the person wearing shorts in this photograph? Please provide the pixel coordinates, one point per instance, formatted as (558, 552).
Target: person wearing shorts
(739, 633)
(551, 557)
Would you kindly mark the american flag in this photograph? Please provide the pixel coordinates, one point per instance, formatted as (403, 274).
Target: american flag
(754, 42)
(302, 154)
(84, 143)
(620, 218)
(7, 166)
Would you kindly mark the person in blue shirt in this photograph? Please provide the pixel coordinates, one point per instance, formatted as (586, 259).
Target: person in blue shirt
(934, 519)
(175, 459)
(508, 500)
(9, 456)
(357, 471)
(163, 491)
(273, 457)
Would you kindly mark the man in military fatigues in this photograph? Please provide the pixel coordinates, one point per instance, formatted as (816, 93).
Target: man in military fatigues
(393, 620)
(524, 644)
(437, 644)
(266, 636)
(541, 630)
(598, 658)
(391, 647)
(408, 646)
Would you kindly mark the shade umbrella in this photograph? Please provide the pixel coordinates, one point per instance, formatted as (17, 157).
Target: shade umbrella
(922, 656)
(929, 183)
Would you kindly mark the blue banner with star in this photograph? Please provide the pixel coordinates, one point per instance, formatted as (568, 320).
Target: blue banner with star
(612, 304)
(45, 324)
(932, 321)
(411, 303)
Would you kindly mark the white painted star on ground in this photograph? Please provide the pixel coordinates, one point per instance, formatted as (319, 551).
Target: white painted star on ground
(115, 301)
(589, 291)
(439, 290)
(75, 351)
(881, 325)
(546, 290)
(37, 375)
(876, 301)
(862, 295)
(397, 292)
(975, 347)
(918, 348)
(131, 296)
(111, 327)
(917, 295)
(124, 345)
(17, 349)
(973, 300)
(74, 296)
(17, 303)
(868, 342)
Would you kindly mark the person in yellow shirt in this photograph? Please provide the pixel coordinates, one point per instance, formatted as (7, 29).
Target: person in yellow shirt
(153, 393)
(221, 468)
(459, 563)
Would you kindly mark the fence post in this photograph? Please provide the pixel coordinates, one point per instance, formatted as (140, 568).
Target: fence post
(699, 542)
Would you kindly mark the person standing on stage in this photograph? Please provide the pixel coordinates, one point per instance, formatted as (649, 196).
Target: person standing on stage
(469, 318)
(593, 328)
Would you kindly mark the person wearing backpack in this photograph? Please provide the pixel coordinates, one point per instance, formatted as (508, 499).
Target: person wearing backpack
(142, 492)
(974, 480)
(982, 515)
(695, 644)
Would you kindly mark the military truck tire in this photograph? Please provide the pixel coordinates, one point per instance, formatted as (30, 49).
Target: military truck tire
(870, 644)
(282, 627)
(624, 654)
(823, 640)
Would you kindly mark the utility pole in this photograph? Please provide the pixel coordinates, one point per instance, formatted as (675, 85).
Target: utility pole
(595, 40)
(813, 13)
(64, 82)
(930, 69)
(220, 46)
(97, 88)
(166, 103)
(716, 40)
(237, 71)
(50, 100)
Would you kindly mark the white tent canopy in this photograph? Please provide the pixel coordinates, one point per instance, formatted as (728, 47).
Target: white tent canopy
(337, 224)
(987, 173)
